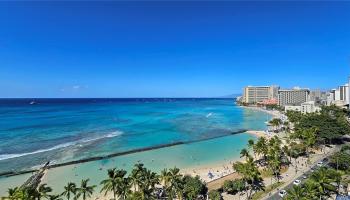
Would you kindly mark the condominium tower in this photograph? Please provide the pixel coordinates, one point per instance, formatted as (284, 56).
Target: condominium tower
(257, 94)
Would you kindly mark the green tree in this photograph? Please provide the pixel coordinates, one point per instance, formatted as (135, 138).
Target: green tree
(310, 190)
(69, 190)
(149, 180)
(136, 195)
(193, 187)
(124, 188)
(323, 182)
(115, 177)
(136, 176)
(176, 184)
(43, 191)
(296, 193)
(276, 123)
(215, 195)
(261, 147)
(331, 123)
(85, 190)
(11, 193)
(250, 175)
(165, 177)
(340, 160)
(244, 153)
(251, 146)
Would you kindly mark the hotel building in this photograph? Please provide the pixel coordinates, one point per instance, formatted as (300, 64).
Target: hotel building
(294, 97)
(258, 94)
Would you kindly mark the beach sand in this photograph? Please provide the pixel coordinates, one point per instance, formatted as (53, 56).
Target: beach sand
(274, 113)
(203, 162)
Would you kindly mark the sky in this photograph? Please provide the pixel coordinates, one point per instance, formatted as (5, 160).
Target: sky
(170, 49)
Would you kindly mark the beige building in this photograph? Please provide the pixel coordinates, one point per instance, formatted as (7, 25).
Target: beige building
(257, 94)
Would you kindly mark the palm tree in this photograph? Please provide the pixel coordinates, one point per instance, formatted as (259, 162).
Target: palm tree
(250, 143)
(322, 182)
(85, 190)
(176, 183)
(296, 193)
(336, 176)
(244, 153)
(150, 180)
(136, 175)
(164, 177)
(69, 190)
(286, 152)
(24, 194)
(251, 146)
(261, 147)
(309, 138)
(54, 197)
(250, 175)
(286, 126)
(276, 122)
(135, 196)
(274, 156)
(110, 184)
(43, 191)
(310, 190)
(274, 164)
(124, 188)
(11, 193)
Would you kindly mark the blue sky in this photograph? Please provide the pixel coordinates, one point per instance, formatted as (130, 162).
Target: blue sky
(170, 49)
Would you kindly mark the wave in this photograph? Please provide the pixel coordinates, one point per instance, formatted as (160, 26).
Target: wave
(60, 146)
(208, 115)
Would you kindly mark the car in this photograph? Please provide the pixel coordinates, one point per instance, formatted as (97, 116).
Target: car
(320, 164)
(282, 193)
(297, 182)
(305, 177)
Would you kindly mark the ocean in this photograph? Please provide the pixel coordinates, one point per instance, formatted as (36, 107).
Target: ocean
(34, 131)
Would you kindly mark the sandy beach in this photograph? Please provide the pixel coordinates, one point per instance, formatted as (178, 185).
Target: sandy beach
(274, 113)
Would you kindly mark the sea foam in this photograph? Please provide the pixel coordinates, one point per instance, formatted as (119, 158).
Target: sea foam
(60, 146)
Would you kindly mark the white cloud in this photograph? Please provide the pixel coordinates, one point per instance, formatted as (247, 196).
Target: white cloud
(73, 88)
(76, 87)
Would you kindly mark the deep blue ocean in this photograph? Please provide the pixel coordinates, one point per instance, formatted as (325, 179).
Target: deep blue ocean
(33, 131)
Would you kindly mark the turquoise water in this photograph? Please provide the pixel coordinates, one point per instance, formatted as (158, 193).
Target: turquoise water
(69, 129)
(196, 155)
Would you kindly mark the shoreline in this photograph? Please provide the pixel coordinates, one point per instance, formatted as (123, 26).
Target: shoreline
(273, 113)
(221, 169)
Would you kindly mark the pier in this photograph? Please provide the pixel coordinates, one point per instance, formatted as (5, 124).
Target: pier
(34, 181)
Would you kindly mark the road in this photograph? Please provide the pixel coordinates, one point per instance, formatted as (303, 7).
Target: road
(275, 195)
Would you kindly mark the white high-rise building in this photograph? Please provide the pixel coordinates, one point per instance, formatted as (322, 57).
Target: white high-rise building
(339, 96)
(331, 97)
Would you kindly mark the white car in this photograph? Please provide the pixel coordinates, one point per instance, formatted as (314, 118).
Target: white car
(319, 164)
(282, 193)
(304, 177)
(297, 182)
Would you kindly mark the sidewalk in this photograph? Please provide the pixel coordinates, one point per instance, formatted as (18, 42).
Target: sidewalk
(290, 175)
